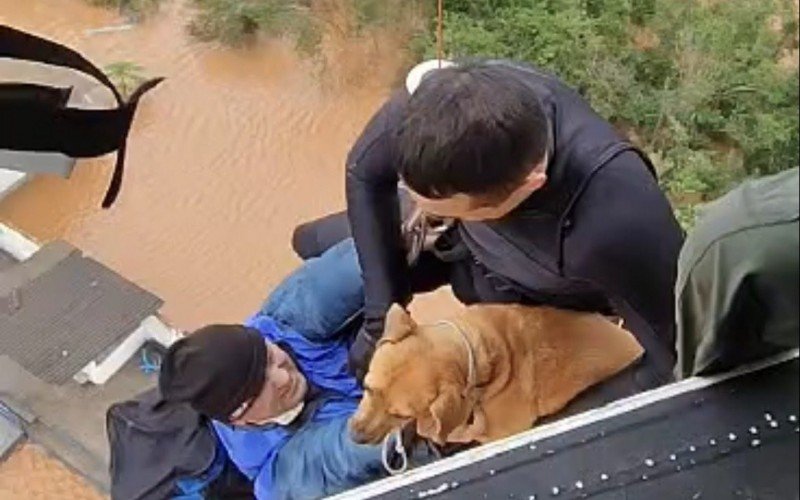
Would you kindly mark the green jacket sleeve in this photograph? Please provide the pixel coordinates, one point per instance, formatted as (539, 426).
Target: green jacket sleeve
(737, 288)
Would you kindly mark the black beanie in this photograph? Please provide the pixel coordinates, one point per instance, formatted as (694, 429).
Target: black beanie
(215, 369)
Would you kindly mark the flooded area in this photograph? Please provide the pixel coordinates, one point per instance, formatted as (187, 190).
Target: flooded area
(30, 473)
(226, 156)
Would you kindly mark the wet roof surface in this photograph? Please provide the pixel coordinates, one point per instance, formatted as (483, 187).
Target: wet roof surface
(6, 260)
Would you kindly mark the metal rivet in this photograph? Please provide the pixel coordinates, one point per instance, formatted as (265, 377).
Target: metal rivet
(550, 452)
(604, 477)
(644, 477)
(712, 442)
(492, 472)
(532, 497)
(649, 462)
(732, 437)
(768, 417)
(532, 447)
(555, 490)
(673, 457)
(454, 484)
(64, 354)
(692, 449)
(792, 418)
(579, 485)
(773, 424)
(753, 430)
(755, 443)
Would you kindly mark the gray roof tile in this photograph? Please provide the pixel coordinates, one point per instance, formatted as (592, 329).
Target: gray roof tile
(76, 310)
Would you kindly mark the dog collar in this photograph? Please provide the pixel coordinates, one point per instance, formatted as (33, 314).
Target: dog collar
(471, 368)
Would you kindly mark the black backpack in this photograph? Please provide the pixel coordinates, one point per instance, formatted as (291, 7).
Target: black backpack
(155, 443)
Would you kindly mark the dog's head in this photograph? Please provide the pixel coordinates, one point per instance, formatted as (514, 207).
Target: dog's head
(410, 379)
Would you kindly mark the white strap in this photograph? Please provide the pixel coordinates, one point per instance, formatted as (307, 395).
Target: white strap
(398, 448)
(471, 375)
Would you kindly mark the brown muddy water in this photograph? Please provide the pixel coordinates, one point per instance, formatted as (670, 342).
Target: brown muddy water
(226, 156)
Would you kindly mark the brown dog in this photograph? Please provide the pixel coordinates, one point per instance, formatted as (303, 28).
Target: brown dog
(487, 374)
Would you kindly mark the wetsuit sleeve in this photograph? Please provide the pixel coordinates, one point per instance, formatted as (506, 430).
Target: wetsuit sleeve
(625, 241)
(373, 209)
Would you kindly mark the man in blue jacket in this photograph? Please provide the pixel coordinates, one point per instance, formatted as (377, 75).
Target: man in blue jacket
(277, 386)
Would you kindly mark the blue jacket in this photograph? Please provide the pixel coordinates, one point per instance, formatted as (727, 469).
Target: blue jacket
(319, 459)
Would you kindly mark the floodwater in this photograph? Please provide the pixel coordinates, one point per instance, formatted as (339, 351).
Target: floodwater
(226, 156)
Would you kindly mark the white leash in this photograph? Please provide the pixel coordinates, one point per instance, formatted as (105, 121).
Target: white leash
(398, 448)
(471, 369)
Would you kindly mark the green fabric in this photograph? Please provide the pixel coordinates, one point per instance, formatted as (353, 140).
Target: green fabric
(737, 289)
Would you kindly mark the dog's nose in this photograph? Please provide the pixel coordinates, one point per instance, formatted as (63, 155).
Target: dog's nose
(359, 438)
(357, 431)
(366, 431)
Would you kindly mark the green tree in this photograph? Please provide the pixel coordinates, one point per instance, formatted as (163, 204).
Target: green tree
(236, 22)
(133, 8)
(703, 87)
(125, 75)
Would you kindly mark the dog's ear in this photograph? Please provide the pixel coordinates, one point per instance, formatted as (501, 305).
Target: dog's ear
(398, 325)
(448, 411)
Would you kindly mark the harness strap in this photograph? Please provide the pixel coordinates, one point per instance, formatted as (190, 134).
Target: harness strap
(472, 382)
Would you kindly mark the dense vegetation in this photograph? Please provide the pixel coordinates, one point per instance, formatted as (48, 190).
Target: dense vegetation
(708, 88)
(235, 21)
(125, 75)
(131, 8)
(305, 21)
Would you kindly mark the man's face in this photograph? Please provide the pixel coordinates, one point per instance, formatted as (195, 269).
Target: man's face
(284, 388)
(471, 208)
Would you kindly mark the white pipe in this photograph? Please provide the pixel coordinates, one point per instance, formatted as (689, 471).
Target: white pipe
(16, 244)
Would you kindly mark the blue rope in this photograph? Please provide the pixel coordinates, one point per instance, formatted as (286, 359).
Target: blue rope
(149, 365)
